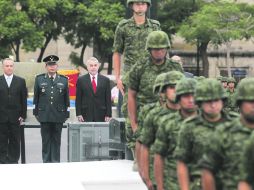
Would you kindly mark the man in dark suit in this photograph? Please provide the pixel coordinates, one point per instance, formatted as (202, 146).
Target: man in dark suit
(93, 95)
(13, 107)
(51, 100)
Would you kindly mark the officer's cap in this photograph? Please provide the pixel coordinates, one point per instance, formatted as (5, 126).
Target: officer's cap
(51, 59)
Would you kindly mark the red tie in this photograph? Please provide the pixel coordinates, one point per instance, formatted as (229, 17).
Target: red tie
(94, 85)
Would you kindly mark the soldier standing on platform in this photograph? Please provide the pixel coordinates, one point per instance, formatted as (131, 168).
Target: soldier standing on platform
(129, 41)
(51, 100)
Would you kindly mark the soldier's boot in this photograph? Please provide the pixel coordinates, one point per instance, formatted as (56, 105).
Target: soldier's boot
(135, 164)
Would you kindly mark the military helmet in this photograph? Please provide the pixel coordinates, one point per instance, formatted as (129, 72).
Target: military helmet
(171, 78)
(219, 78)
(231, 79)
(158, 82)
(209, 89)
(199, 78)
(157, 39)
(137, 1)
(224, 79)
(185, 86)
(245, 90)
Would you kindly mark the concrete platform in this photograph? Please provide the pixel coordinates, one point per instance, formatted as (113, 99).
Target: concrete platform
(97, 175)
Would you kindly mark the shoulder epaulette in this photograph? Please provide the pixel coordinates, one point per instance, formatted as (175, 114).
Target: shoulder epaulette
(63, 76)
(39, 75)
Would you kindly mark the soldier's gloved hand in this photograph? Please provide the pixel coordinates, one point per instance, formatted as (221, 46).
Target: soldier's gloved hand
(80, 118)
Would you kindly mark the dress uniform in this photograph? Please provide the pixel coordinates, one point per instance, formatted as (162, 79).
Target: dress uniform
(51, 100)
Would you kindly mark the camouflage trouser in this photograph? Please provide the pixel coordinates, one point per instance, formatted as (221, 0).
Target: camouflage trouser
(130, 136)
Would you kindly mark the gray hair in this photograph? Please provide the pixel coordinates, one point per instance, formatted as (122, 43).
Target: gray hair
(93, 60)
(7, 59)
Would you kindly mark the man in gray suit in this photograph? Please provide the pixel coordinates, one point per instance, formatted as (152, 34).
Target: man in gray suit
(93, 96)
(51, 100)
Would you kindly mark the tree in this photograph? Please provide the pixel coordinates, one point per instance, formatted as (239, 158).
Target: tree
(49, 17)
(93, 23)
(216, 23)
(173, 12)
(17, 30)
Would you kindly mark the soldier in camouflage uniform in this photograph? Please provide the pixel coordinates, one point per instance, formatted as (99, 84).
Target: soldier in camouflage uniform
(230, 106)
(151, 125)
(143, 74)
(146, 108)
(247, 166)
(224, 82)
(167, 135)
(130, 40)
(192, 141)
(222, 160)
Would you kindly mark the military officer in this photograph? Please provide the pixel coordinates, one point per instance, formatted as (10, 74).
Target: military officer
(152, 123)
(194, 132)
(221, 162)
(143, 74)
(167, 135)
(51, 100)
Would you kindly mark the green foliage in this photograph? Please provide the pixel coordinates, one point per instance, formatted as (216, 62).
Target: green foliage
(173, 12)
(93, 21)
(217, 22)
(17, 28)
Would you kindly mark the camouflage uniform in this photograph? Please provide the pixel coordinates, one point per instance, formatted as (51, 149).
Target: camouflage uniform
(143, 74)
(130, 40)
(223, 156)
(230, 105)
(195, 131)
(145, 109)
(151, 122)
(224, 153)
(247, 162)
(167, 135)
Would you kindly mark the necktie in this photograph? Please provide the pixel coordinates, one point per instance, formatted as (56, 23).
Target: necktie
(94, 85)
(52, 79)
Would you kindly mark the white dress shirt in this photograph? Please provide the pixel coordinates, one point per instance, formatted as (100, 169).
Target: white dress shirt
(96, 77)
(8, 79)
